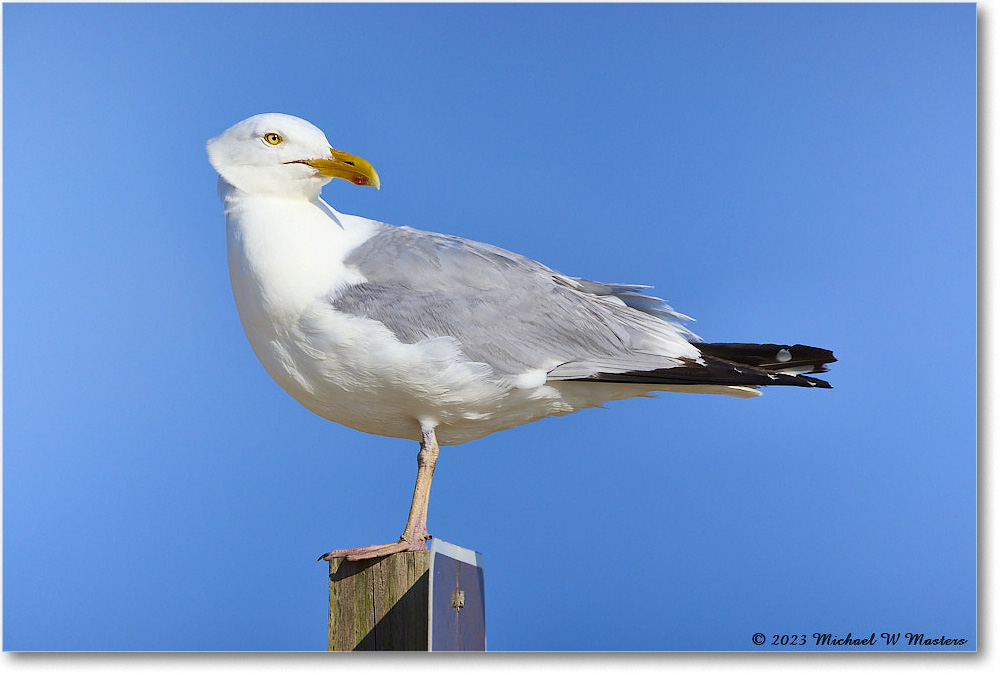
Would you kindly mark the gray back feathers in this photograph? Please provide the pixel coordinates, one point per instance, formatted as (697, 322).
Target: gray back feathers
(509, 311)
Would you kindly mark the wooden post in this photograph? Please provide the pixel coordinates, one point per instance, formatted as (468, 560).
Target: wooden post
(406, 602)
(380, 604)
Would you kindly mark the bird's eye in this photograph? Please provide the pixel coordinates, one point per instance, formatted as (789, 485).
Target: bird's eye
(272, 138)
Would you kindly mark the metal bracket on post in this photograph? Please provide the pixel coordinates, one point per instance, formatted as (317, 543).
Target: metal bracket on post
(457, 612)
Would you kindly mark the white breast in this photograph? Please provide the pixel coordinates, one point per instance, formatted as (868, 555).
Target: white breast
(284, 256)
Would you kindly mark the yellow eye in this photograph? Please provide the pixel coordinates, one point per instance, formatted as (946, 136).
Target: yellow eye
(272, 138)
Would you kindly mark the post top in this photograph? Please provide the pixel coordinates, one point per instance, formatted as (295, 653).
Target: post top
(465, 555)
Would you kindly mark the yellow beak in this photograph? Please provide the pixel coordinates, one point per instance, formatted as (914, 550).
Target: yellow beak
(345, 166)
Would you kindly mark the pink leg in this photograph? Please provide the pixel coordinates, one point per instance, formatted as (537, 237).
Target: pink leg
(415, 535)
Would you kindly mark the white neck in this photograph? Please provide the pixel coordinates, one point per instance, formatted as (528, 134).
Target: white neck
(286, 253)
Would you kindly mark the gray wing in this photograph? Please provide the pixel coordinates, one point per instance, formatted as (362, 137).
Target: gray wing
(509, 311)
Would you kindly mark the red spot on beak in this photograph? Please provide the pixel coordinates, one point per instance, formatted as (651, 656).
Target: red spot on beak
(359, 180)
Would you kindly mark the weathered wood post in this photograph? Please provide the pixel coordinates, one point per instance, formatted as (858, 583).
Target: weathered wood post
(415, 601)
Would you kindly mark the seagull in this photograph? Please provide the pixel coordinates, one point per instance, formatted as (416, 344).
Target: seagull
(410, 334)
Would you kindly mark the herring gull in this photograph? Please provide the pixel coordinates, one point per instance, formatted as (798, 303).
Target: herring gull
(430, 337)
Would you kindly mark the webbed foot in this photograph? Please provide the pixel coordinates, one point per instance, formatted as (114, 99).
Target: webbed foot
(379, 550)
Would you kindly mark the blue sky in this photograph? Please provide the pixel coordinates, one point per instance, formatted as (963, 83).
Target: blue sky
(785, 173)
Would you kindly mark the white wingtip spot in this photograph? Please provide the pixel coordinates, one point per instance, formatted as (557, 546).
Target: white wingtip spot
(784, 355)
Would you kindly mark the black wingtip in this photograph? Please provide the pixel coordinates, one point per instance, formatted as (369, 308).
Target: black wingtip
(773, 357)
(737, 364)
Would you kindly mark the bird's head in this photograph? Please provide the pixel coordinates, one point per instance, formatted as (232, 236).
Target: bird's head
(282, 155)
